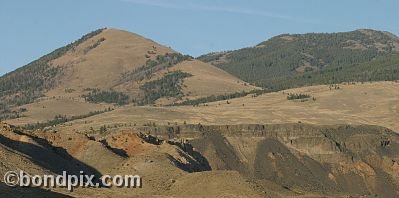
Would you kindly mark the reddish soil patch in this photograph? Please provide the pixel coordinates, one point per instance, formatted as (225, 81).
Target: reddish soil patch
(129, 142)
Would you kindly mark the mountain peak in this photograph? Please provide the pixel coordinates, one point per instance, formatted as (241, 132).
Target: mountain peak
(108, 65)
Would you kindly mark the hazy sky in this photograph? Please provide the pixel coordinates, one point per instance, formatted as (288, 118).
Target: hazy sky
(32, 28)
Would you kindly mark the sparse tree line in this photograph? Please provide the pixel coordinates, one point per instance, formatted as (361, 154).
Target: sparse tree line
(295, 96)
(213, 98)
(161, 62)
(96, 44)
(109, 96)
(60, 119)
(211, 57)
(105, 128)
(168, 86)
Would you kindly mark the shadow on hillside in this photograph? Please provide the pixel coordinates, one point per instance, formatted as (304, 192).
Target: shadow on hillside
(55, 159)
(117, 151)
(18, 192)
(223, 150)
(198, 163)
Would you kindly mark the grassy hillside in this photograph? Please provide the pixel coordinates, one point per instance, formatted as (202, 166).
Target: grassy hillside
(108, 67)
(368, 103)
(295, 60)
(29, 82)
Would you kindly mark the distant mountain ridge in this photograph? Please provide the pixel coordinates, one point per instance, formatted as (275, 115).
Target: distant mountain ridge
(114, 67)
(293, 60)
(110, 66)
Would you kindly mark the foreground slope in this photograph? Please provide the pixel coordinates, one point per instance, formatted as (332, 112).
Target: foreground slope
(165, 167)
(294, 60)
(275, 160)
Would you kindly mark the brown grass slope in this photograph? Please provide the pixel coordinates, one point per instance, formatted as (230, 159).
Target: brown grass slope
(368, 103)
(102, 61)
(122, 52)
(101, 67)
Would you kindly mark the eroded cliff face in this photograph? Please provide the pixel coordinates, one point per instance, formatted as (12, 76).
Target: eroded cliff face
(348, 160)
(39, 152)
(274, 160)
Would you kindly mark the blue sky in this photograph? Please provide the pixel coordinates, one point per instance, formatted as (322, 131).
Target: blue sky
(32, 28)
